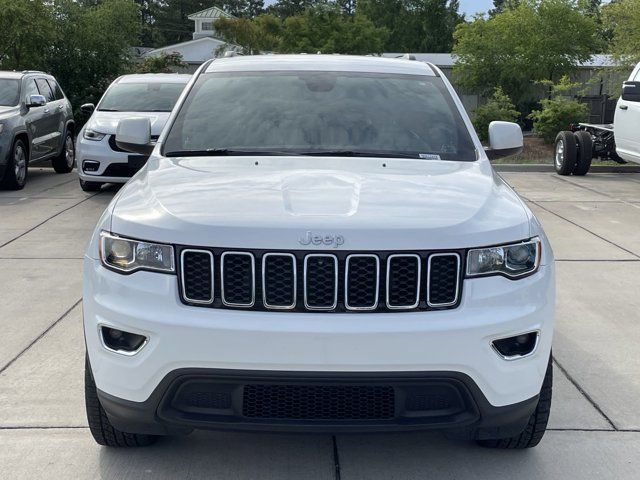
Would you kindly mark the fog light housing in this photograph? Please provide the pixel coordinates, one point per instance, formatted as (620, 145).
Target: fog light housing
(119, 341)
(519, 346)
(90, 166)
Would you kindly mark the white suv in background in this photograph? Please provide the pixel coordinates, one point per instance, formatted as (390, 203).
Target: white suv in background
(148, 95)
(318, 243)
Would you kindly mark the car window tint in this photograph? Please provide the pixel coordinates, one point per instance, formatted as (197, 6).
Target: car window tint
(302, 111)
(30, 88)
(57, 92)
(141, 97)
(9, 92)
(44, 89)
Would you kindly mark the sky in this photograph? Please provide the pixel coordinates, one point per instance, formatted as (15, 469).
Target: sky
(472, 6)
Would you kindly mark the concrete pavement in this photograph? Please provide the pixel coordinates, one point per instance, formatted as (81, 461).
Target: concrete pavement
(593, 223)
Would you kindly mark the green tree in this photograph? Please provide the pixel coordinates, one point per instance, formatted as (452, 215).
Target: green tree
(253, 35)
(559, 111)
(91, 45)
(163, 63)
(515, 49)
(414, 25)
(498, 107)
(324, 29)
(622, 19)
(289, 8)
(25, 34)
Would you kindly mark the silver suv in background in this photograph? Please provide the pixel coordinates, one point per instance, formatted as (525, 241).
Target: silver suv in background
(148, 95)
(36, 123)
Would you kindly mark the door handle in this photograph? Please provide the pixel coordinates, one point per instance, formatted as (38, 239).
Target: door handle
(624, 107)
(46, 110)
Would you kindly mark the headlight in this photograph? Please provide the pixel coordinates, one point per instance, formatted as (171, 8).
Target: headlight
(93, 135)
(516, 260)
(126, 255)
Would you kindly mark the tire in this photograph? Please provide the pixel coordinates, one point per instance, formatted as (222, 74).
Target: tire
(585, 152)
(103, 432)
(565, 153)
(90, 186)
(17, 168)
(537, 425)
(65, 162)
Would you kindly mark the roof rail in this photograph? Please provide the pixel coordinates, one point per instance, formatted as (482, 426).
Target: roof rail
(408, 56)
(434, 68)
(232, 53)
(32, 71)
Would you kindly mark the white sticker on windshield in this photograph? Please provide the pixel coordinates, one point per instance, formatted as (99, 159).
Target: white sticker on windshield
(429, 156)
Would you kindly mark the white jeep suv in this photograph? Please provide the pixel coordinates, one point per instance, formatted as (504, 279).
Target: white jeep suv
(318, 244)
(150, 95)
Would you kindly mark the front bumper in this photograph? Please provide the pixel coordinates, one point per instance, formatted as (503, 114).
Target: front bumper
(187, 399)
(183, 337)
(100, 151)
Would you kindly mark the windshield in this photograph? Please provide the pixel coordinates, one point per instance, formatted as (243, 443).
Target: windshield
(9, 92)
(330, 113)
(141, 97)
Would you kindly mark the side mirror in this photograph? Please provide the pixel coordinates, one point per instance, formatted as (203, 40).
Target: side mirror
(631, 91)
(87, 108)
(36, 101)
(505, 139)
(134, 135)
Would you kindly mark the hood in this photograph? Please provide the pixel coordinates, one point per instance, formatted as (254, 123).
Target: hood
(107, 122)
(291, 202)
(7, 111)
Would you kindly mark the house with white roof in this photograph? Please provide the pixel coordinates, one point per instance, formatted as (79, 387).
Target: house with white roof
(205, 44)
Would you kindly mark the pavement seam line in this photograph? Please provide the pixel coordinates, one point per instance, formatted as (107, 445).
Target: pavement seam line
(593, 190)
(39, 337)
(581, 227)
(45, 221)
(585, 394)
(336, 459)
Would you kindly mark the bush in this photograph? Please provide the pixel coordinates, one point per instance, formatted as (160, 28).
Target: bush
(558, 112)
(499, 107)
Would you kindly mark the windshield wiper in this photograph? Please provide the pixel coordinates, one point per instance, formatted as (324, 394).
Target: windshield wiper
(108, 110)
(356, 153)
(223, 152)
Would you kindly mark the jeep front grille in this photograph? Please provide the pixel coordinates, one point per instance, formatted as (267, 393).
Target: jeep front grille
(320, 281)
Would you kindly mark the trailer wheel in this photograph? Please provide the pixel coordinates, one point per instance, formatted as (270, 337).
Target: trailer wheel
(585, 152)
(566, 153)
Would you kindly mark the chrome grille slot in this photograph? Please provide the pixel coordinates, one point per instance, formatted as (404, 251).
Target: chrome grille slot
(320, 281)
(443, 279)
(403, 281)
(279, 280)
(237, 273)
(197, 276)
(362, 282)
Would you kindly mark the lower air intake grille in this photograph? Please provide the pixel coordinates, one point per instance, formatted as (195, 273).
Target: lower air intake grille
(319, 402)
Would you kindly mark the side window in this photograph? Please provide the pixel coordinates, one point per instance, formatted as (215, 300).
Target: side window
(57, 92)
(44, 88)
(30, 88)
(637, 77)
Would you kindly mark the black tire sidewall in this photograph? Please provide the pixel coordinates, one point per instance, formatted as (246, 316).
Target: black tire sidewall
(569, 156)
(9, 180)
(585, 152)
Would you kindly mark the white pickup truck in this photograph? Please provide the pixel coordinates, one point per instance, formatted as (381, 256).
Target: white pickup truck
(619, 141)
